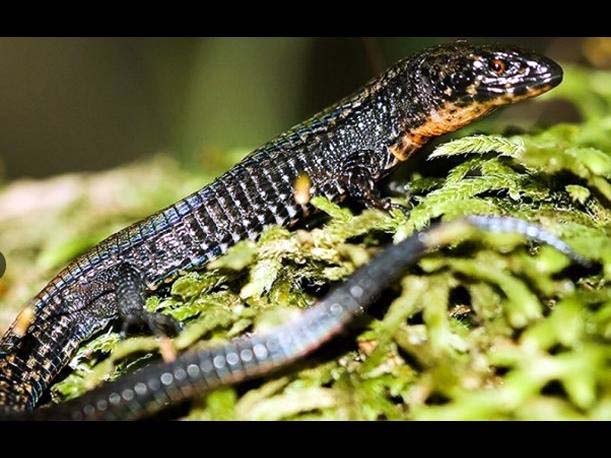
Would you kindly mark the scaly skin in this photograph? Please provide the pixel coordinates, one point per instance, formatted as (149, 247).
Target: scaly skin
(344, 150)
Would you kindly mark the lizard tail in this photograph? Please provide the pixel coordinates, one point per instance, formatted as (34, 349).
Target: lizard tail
(29, 364)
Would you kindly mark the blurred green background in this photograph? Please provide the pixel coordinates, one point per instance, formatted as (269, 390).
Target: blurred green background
(91, 103)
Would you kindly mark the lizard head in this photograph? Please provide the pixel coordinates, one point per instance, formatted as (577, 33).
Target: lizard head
(457, 83)
(464, 74)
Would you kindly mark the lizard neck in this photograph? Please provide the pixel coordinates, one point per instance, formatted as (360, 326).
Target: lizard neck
(449, 117)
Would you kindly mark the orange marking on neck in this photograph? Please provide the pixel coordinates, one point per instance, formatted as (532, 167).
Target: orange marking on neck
(448, 118)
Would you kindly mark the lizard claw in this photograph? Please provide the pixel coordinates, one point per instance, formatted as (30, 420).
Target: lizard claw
(157, 323)
(402, 208)
(164, 325)
(385, 204)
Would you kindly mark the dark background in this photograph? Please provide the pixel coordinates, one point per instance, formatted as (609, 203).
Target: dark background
(72, 104)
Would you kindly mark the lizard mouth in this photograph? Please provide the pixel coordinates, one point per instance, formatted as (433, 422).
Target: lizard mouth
(548, 77)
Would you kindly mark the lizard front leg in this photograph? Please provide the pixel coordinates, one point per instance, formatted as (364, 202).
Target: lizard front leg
(129, 292)
(358, 177)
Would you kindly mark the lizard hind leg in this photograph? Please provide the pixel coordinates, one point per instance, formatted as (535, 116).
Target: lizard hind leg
(129, 293)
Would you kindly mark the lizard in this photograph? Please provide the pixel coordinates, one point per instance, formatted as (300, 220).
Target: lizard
(345, 150)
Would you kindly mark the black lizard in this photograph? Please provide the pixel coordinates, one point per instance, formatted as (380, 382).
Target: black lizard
(344, 150)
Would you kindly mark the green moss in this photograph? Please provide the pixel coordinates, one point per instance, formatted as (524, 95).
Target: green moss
(489, 328)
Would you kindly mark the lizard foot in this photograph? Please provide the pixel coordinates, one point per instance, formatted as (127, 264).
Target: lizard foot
(157, 323)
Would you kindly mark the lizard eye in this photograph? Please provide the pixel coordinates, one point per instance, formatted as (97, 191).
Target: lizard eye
(498, 66)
